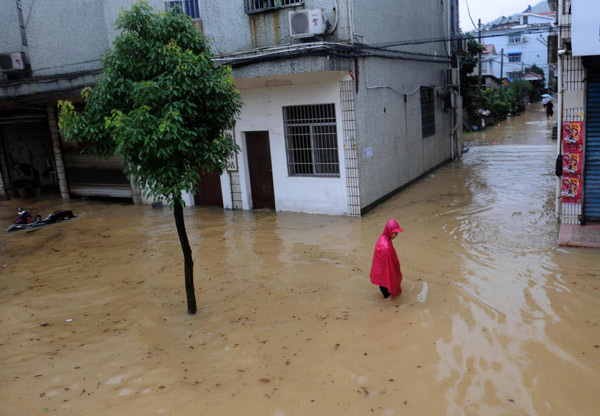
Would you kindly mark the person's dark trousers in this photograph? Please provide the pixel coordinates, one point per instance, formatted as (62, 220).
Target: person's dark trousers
(384, 290)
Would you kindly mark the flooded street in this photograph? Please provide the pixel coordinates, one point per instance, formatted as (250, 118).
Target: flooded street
(495, 318)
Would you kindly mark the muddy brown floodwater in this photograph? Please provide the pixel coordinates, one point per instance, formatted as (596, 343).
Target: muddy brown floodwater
(495, 319)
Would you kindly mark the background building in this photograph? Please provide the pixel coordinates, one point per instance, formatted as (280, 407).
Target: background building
(520, 40)
(344, 103)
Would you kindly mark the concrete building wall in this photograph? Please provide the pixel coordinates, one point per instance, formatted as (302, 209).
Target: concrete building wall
(231, 29)
(10, 35)
(64, 36)
(262, 111)
(392, 151)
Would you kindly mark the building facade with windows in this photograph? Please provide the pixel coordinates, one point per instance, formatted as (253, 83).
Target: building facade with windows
(343, 103)
(520, 40)
(341, 112)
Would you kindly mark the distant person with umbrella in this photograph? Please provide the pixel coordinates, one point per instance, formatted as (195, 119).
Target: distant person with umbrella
(549, 109)
(547, 102)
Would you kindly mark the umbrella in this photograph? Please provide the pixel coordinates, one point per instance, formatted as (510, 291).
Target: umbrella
(546, 100)
(546, 96)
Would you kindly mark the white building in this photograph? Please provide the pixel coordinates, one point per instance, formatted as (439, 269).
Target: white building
(520, 41)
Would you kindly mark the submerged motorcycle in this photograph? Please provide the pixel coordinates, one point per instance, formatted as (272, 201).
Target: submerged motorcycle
(25, 222)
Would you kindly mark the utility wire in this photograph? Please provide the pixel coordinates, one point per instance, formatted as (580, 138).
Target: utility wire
(469, 11)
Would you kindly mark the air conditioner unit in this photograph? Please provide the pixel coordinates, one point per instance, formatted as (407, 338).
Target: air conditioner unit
(12, 61)
(461, 45)
(306, 23)
(524, 39)
(452, 76)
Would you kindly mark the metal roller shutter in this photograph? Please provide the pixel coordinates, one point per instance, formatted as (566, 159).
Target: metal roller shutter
(591, 179)
(89, 175)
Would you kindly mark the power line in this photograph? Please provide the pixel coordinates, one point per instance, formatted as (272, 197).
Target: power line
(469, 11)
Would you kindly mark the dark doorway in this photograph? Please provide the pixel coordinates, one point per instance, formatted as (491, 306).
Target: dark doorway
(208, 190)
(259, 165)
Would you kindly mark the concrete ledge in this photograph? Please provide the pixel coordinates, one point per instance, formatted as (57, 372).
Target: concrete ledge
(572, 235)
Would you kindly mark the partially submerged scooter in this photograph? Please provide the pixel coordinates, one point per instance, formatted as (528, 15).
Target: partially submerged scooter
(24, 221)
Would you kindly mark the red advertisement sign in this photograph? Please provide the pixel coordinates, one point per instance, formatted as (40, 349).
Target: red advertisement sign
(572, 136)
(572, 164)
(572, 150)
(571, 190)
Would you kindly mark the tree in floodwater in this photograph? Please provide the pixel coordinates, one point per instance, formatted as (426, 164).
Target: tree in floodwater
(162, 106)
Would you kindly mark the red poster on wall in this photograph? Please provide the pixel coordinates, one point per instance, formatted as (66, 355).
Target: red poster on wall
(571, 190)
(572, 164)
(572, 150)
(572, 136)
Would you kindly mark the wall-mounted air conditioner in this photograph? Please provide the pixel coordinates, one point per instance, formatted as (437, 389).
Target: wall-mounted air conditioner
(524, 39)
(452, 76)
(12, 62)
(461, 45)
(306, 23)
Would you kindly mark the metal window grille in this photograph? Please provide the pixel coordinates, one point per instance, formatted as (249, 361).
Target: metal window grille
(427, 112)
(258, 6)
(311, 140)
(514, 39)
(189, 7)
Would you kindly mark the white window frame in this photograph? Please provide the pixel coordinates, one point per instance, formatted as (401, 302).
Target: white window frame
(514, 39)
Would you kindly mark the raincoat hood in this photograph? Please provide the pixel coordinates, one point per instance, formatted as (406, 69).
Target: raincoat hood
(391, 227)
(385, 270)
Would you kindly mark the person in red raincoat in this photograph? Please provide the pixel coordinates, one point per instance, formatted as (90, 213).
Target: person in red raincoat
(385, 271)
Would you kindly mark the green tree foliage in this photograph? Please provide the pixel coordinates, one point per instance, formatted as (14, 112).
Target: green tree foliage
(500, 102)
(469, 84)
(520, 88)
(162, 106)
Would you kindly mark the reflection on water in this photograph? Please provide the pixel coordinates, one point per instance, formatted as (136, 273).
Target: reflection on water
(494, 319)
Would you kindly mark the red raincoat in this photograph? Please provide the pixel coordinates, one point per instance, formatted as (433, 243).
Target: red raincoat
(385, 270)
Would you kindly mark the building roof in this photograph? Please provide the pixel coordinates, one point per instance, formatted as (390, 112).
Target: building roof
(489, 49)
(531, 76)
(541, 9)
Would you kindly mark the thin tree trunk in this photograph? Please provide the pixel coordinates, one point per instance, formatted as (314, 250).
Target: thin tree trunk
(187, 256)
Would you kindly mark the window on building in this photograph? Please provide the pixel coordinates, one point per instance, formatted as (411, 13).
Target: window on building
(427, 111)
(189, 7)
(257, 6)
(514, 75)
(514, 57)
(514, 39)
(311, 140)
